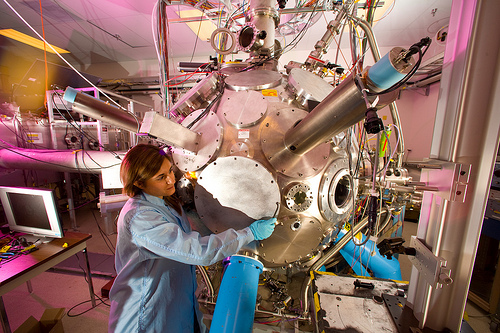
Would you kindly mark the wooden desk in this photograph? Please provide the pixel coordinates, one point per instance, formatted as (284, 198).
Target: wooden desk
(25, 267)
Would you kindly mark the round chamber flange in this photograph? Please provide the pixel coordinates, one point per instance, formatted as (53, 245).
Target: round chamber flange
(307, 86)
(224, 33)
(336, 192)
(299, 197)
(232, 67)
(241, 148)
(211, 139)
(253, 80)
(197, 97)
(284, 161)
(243, 109)
(233, 192)
(247, 38)
(296, 238)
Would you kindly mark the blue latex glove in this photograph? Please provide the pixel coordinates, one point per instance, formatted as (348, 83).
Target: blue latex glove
(262, 229)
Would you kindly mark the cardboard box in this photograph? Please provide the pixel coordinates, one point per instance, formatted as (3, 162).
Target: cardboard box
(57, 328)
(51, 320)
(106, 288)
(31, 325)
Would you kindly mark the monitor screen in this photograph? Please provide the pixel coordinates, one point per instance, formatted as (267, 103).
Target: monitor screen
(32, 211)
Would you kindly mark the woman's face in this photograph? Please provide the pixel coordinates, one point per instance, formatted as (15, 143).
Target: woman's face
(162, 184)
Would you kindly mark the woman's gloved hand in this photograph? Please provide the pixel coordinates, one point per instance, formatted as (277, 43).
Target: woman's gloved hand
(262, 229)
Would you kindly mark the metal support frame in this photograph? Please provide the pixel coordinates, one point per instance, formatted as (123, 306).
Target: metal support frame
(430, 267)
(450, 179)
(466, 132)
(4, 320)
(88, 274)
(71, 200)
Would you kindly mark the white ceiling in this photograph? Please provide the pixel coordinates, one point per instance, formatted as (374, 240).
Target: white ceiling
(110, 31)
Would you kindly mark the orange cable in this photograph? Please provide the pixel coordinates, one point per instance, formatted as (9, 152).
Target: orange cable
(45, 58)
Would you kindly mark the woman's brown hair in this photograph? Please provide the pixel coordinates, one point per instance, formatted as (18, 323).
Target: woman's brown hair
(141, 163)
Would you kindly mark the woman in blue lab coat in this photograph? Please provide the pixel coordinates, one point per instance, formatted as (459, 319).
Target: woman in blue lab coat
(156, 250)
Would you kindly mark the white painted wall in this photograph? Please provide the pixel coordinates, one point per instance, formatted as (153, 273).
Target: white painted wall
(417, 112)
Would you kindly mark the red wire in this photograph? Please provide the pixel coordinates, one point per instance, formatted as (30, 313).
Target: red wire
(190, 75)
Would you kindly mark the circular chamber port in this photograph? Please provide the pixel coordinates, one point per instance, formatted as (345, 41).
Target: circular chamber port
(295, 225)
(342, 191)
(336, 192)
(299, 197)
(246, 37)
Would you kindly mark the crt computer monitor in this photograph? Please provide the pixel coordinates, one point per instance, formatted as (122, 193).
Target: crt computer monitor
(32, 211)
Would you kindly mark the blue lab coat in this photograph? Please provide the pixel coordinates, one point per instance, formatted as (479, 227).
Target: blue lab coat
(156, 250)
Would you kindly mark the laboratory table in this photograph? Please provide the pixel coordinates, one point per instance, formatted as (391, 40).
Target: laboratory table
(25, 267)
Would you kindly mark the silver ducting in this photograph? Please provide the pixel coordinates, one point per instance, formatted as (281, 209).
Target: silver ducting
(84, 161)
(341, 109)
(153, 124)
(99, 110)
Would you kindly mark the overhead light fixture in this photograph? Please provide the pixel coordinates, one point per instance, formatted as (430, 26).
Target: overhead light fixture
(204, 32)
(28, 40)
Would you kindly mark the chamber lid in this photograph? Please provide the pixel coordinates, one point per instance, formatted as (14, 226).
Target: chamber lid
(253, 80)
(308, 86)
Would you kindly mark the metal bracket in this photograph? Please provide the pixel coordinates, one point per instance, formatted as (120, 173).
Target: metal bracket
(451, 179)
(431, 267)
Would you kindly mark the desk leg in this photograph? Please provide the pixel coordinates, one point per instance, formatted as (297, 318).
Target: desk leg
(3, 317)
(89, 278)
(30, 287)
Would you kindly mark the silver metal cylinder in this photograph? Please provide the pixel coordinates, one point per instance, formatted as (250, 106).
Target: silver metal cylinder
(341, 109)
(323, 44)
(99, 110)
(88, 161)
(367, 28)
(263, 15)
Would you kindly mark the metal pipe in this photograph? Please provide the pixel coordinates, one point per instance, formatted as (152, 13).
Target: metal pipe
(208, 282)
(323, 44)
(341, 109)
(285, 11)
(99, 110)
(263, 15)
(153, 124)
(392, 107)
(90, 161)
(381, 226)
(331, 253)
(270, 313)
